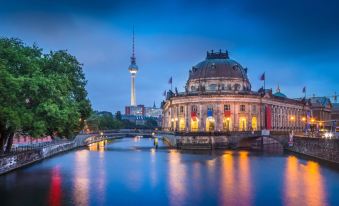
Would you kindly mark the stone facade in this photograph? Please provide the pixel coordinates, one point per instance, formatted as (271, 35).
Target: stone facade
(218, 97)
(325, 149)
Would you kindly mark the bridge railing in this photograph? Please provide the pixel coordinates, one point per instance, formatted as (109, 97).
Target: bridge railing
(221, 133)
(124, 131)
(34, 146)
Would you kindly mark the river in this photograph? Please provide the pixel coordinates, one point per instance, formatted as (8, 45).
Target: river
(130, 171)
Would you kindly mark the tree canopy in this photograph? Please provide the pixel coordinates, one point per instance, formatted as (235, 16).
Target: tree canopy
(40, 94)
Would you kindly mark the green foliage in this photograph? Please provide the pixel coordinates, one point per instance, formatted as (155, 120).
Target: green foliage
(40, 93)
(106, 121)
(103, 121)
(151, 123)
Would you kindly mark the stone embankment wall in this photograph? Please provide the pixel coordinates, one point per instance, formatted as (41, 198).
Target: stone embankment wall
(325, 149)
(17, 160)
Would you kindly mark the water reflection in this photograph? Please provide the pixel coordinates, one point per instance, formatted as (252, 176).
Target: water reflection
(235, 186)
(314, 186)
(244, 181)
(196, 177)
(153, 172)
(291, 182)
(227, 194)
(81, 178)
(101, 178)
(303, 183)
(55, 188)
(98, 146)
(176, 178)
(121, 175)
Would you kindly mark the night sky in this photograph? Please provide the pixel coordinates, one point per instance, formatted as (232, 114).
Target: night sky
(295, 43)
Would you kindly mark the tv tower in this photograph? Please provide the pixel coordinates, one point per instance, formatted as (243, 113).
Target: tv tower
(133, 69)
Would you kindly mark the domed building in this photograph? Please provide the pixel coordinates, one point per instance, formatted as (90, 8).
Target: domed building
(218, 97)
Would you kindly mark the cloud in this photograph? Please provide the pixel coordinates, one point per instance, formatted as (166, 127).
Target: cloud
(295, 42)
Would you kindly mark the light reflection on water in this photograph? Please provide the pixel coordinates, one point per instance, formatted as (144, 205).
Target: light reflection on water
(132, 172)
(228, 194)
(244, 178)
(176, 178)
(81, 178)
(235, 186)
(153, 169)
(304, 183)
(55, 193)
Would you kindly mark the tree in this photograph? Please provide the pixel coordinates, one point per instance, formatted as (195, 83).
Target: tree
(151, 124)
(104, 121)
(39, 94)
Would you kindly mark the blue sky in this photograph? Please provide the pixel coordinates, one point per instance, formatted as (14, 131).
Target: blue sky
(295, 42)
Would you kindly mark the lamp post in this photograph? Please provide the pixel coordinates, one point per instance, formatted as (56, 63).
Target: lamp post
(292, 119)
(312, 126)
(303, 119)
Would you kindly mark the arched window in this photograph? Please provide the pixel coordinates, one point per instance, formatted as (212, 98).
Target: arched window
(254, 123)
(193, 88)
(237, 87)
(242, 124)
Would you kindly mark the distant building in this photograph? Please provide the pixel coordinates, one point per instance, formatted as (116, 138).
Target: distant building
(153, 111)
(141, 120)
(321, 108)
(138, 110)
(335, 112)
(140, 114)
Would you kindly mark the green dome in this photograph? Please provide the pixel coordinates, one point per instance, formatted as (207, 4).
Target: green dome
(279, 94)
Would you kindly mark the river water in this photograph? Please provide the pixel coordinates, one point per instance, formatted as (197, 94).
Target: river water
(130, 172)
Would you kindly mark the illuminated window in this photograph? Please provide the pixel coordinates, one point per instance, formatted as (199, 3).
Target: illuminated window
(254, 123)
(242, 124)
(194, 124)
(226, 124)
(182, 124)
(210, 124)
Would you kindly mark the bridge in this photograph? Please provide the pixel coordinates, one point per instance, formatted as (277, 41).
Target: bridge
(223, 140)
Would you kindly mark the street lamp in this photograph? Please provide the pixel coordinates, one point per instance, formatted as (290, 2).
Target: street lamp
(292, 118)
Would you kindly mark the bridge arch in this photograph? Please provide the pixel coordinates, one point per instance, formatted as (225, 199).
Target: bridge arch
(256, 142)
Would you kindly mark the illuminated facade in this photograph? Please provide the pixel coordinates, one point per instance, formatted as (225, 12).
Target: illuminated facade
(218, 97)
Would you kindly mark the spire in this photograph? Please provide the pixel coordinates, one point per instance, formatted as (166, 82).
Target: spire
(133, 59)
(154, 105)
(278, 89)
